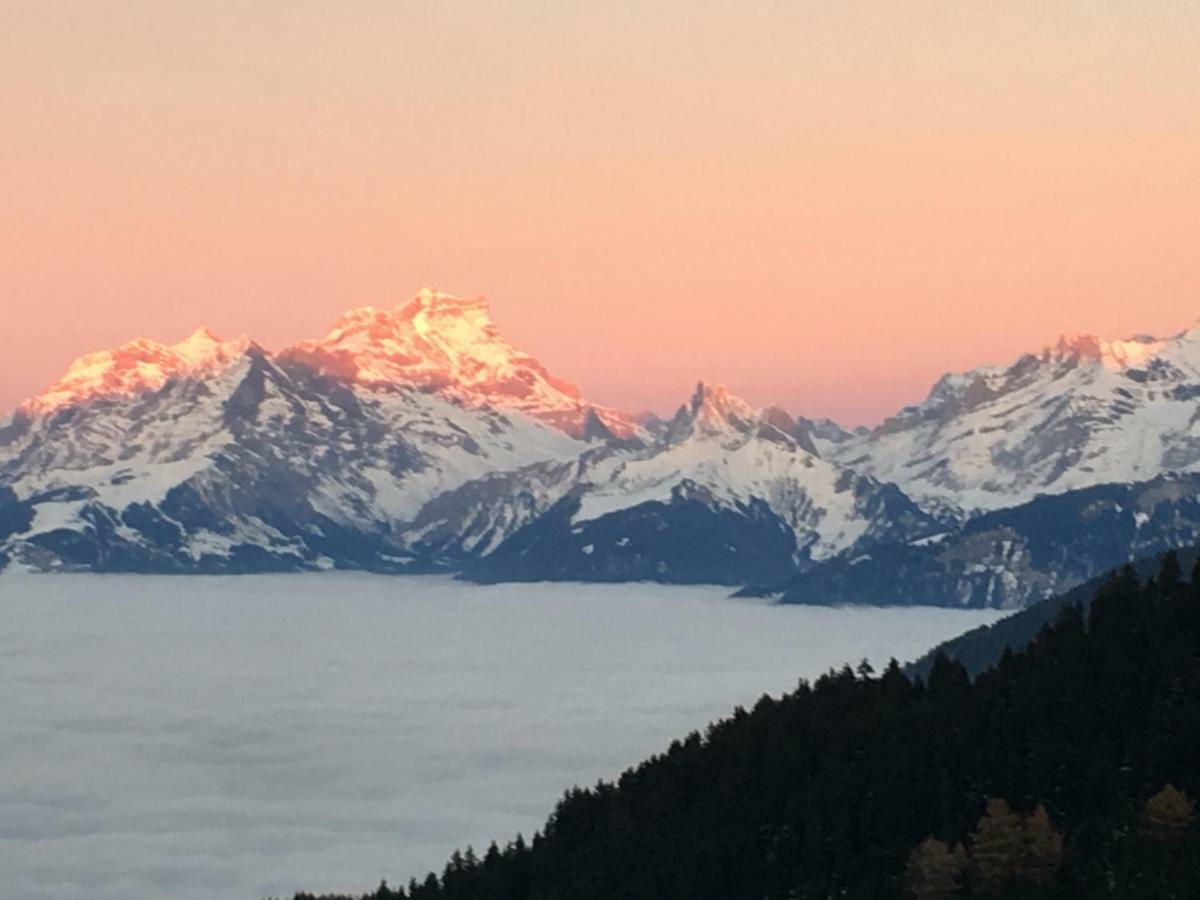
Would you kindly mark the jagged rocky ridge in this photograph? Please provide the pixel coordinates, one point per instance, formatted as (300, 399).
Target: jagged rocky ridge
(418, 439)
(726, 495)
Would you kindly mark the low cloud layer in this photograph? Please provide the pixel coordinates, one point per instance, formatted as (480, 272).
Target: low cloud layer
(237, 738)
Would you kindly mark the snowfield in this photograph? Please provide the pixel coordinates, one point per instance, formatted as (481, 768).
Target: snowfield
(245, 737)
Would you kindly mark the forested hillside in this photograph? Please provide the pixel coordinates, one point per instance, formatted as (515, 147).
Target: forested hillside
(1065, 771)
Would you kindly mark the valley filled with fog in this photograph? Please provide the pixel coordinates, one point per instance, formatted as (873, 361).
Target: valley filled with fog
(237, 737)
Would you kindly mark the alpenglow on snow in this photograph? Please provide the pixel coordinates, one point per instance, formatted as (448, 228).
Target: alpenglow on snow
(420, 439)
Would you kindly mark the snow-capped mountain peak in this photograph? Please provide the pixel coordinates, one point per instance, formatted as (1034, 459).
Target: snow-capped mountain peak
(138, 366)
(463, 326)
(434, 340)
(1084, 411)
(437, 341)
(712, 413)
(714, 410)
(1113, 355)
(716, 414)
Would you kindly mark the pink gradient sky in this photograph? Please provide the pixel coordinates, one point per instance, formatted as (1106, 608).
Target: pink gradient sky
(824, 205)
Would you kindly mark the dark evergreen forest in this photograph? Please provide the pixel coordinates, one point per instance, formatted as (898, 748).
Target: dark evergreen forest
(1066, 770)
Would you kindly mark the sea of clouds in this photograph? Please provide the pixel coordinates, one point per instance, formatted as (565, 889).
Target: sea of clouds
(245, 737)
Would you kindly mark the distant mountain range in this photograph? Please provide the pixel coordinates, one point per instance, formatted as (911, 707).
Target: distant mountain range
(419, 439)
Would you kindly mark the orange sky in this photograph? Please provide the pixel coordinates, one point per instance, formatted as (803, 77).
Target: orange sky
(821, 204)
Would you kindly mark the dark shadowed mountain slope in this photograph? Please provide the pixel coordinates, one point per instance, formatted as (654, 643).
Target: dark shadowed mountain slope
(982, 647)
(1014, 557)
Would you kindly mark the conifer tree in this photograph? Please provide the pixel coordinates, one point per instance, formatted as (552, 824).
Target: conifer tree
(1170, 573)
(1167, 814)
(997, 848)
(1043, 847)
(935, 869)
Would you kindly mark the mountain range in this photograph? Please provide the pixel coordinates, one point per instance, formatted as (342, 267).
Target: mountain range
(419, 439)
